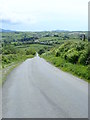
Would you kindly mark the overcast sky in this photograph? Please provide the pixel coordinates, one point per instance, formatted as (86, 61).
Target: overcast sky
(38, 15)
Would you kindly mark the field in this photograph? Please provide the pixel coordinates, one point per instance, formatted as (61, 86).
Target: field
(65, 50)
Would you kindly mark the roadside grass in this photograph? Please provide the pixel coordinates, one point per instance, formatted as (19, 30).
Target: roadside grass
(77, 70)
(8, 67)
(60, 57)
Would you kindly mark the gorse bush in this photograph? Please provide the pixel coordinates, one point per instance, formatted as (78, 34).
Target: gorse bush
(83, 58)
(72, 57)
(80, 46)
(74, 52)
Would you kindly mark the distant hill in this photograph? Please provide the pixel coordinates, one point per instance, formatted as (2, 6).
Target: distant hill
(3, 30)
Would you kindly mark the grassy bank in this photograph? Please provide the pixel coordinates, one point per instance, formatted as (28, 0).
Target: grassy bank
(72, 57)
(14, 62)
(7, 68)
(12, 57)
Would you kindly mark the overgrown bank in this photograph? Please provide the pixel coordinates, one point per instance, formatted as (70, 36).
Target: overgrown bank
(73, 57)
(12, 57)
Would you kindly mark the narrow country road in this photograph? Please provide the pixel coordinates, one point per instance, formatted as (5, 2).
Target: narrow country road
(36, 89)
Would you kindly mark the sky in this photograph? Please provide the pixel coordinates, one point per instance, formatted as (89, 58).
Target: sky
(44, 15)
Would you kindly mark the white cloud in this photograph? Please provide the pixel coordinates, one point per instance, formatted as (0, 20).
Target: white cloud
(34, 11)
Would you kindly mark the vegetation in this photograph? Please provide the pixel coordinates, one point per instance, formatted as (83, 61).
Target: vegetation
(11, 54)
(41, 51)
(64, 49)
(74, 52)
(71, 56)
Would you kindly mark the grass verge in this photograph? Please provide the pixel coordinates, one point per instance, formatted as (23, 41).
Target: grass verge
(75, 69)
(9, 67)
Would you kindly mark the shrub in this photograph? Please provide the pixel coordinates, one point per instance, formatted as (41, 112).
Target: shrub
(57, 53)
(30, 52)
(9, 50)
(41, 51)
(72, 57)
(83, 58)
(80, 46)
(5, 60)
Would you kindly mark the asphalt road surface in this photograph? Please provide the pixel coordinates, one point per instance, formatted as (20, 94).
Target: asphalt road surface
(36, 89)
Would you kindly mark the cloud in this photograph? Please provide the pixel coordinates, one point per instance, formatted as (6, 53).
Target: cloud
(33, 12)
(16, 13)
(18, 18)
